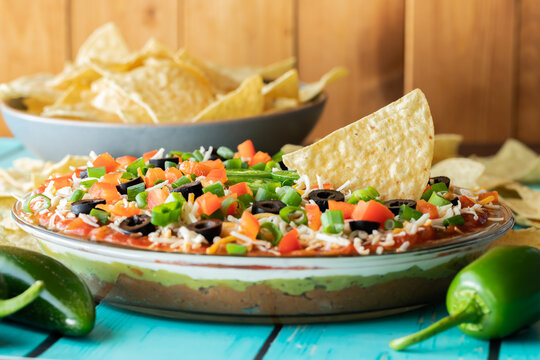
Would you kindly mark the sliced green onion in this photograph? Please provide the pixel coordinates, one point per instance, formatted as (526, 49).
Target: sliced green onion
(187, 156)
(290, 197)
(235, 249)
(391, 224)
(332, 221)
(127, 175)
(228, 202)
(233, 164)
(439, 187)
(225, 152)
(77, 195)
(175, 196)
(198, 156)
(268, 228)
(134, 166)
(158, 181)
(278, 157)
(218, 214)
(245, 165)
(216, 188)
(166, 213)
(285, 176)
(427, 194)
(246, 200)
(454, 220)
(96, 172)
(101, 215)
(263, 194)
(407, 213)
(142, 199)
(134, 190)
(294, 214)
(88, 183)
(175, 153)
(271, 165)
(170, 164)
(259, 166)
(181, 181)
(45, 199)
(438, 200)
(369, 193)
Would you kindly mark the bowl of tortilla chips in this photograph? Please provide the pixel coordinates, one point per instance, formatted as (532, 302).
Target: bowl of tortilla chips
(111, 99)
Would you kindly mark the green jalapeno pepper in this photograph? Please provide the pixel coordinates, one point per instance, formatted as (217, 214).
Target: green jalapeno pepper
(492, 297)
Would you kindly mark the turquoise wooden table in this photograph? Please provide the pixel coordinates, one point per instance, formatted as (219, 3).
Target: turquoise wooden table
(124, 335)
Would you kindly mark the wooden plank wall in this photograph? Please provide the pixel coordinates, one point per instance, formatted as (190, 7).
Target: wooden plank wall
(476, 60)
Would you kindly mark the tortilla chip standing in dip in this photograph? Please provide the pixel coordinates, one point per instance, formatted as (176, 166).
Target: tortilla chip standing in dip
(391, 150)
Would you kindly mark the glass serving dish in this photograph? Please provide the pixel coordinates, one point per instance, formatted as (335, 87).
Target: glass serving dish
(266, 289)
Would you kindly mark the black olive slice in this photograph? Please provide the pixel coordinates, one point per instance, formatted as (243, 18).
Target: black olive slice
(395, 204)
(122, 188)
(137, 224)
(209, 228)
(322, 196)
(83, 174)
(214, 155)
(454, 201)
(267, 206)
(161, 162)
(85, 206)
(440, 179)
(367, 226)
(194, 187)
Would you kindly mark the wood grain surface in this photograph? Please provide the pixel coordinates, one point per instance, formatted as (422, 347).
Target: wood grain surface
(461, 53)
(364, 36)
(528, 91)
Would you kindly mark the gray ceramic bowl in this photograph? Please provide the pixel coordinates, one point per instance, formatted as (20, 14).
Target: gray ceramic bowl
(52, 139)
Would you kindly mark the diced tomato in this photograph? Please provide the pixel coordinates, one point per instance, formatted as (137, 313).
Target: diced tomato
(231, 210)
(193, 167)
(147, 156)
(60, 181)
(427, 208)
(153, 175)
(260, 157)
(121, 210)
(105, 191)
(124, 161)
(246, 149)
(107, 161)
(289, 242)
(327, 186)
(345, 207)
(208, 203)
(249, 225)
(112, 178)
(466, 201)
(172, 174)
(78, 227)
(372, 211)
(217, 175)
(484, 196)
(157, 196)
(240, 189)
(314, 216)
(214, 164)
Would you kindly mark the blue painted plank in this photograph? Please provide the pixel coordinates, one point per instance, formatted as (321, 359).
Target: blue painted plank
(11, 149)
(17, 340)
(522, 346)
(369, 340)
(125, 335)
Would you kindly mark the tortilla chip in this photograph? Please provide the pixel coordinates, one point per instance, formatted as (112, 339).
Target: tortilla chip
(286, 86)
(310, 91)
(462, 172)
(279, 104)
(289, 148)
(247, 100)
(390, 150)
(533, 176)
(105, 44)
(446, 146)
(169, 92)
(82, 75)
(513, 161)
(525, 237)
(269, 72)
(33, 86)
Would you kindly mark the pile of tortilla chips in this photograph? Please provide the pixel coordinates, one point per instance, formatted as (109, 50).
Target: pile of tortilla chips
(26, 175)
(109, 83)
(506, 171)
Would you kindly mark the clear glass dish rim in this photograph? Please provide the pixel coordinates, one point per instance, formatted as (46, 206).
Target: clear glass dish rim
(493, 230)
